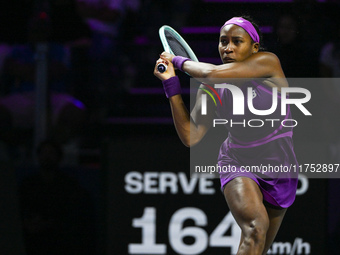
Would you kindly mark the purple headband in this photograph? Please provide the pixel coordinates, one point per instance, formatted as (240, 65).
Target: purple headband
(246, 25)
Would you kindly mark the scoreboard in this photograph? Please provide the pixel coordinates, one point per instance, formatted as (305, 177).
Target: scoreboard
(154, 206)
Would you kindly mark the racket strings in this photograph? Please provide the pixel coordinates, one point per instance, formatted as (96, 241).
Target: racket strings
(175, 45)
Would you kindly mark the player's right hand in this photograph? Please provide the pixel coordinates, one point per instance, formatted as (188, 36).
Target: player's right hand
(170, 71)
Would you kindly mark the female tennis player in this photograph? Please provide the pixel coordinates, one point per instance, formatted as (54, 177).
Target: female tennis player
(258, 201)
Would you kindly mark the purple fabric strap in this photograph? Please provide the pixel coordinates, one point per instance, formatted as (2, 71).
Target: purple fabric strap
(246, 25)
(172, 86)
(178, 62)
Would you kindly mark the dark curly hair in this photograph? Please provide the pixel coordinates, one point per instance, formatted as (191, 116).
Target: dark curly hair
(256, 26)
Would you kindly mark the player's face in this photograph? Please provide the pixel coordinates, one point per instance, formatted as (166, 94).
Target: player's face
(235, 44)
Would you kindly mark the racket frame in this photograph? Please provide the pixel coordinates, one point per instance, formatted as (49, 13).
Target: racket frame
(179, 38)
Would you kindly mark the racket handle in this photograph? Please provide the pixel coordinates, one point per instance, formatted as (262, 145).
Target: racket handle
(161, 67)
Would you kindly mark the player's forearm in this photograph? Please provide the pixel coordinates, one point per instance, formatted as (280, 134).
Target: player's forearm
(198, 70)
(181, 118)
(185, 127)
(210, 73)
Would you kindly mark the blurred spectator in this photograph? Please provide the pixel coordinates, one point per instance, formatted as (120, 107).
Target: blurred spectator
(330, 56)
(299, 62)
(105, 19)
(5, 50)
(130, 31)
(330, 68)
(289, 48)
(17, 106)
(69, 28)
(143, 39)
(57, 212)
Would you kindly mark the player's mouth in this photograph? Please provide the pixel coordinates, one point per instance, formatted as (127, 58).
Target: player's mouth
(228, 60)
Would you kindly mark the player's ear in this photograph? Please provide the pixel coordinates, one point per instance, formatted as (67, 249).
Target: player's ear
(256, 47)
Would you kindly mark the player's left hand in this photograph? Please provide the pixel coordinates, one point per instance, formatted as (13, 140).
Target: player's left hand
(167, 56)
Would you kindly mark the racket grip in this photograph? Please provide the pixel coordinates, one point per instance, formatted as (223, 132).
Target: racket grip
(161, 67)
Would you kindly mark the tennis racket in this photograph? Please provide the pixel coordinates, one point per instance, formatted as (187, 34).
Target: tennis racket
(174, 43)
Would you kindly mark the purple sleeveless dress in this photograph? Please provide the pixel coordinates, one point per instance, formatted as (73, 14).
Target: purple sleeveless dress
(267, 150)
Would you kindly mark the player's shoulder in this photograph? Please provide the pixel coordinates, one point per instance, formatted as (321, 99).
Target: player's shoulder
(267, 55)
(268, 58)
